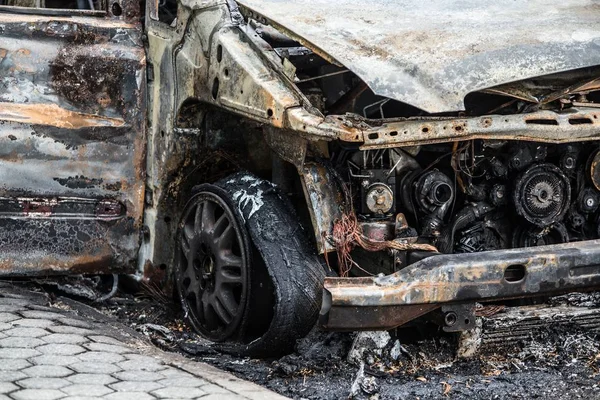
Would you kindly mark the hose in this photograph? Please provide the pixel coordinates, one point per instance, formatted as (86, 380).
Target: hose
(465, 217)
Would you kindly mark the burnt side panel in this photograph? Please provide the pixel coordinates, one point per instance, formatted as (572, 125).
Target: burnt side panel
(72, 144)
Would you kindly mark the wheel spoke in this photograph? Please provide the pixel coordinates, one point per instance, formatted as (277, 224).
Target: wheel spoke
(227, 300)
(193, 285)
(225, 240)
(220, 310)
(199, 310)
(188, 227)
(227, 276)
(228, 259)
(198, 218)
(220, 225)
(207, 217)
(208, 311)
(186, 247)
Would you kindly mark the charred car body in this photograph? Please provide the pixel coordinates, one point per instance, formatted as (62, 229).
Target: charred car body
(421, 156)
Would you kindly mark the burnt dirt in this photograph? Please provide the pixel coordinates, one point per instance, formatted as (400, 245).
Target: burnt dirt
(554, 361)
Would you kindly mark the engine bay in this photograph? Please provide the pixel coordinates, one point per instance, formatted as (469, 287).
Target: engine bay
(475, 196)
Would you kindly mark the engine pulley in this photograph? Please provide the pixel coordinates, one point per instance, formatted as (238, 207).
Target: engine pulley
(542, 194)
(379, 198)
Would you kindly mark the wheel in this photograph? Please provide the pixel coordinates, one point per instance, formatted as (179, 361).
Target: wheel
(212, 267)
(245, 271)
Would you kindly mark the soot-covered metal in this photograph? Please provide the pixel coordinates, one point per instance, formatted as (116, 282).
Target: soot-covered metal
(72, 141)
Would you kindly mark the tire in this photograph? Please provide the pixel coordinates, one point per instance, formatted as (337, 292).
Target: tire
(286, 282)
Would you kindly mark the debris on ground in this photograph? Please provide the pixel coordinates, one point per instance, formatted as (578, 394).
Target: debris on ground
(550, 356)
(158, 334)
(93, 288)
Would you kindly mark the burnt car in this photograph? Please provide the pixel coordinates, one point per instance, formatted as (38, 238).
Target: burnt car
(363, 163)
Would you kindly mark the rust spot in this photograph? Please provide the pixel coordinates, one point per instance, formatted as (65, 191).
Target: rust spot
(53, 115)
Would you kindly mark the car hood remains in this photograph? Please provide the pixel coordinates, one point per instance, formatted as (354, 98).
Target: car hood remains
(431, 54)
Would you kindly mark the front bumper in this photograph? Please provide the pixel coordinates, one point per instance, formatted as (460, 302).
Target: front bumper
(386, 302)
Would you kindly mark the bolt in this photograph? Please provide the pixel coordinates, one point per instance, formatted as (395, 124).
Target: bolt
(589, 202)
(569, 162)
(450, 318)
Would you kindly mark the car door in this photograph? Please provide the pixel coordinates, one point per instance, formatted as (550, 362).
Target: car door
(72, 137)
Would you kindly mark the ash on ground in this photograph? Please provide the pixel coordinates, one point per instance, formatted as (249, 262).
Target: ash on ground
(553, 355)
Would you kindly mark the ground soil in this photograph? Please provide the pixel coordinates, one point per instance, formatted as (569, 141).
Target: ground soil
(554, 362)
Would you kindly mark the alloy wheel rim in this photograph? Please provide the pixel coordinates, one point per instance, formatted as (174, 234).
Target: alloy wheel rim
(212, 267)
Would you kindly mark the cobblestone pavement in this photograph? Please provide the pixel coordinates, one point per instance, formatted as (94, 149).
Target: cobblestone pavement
(66, 350)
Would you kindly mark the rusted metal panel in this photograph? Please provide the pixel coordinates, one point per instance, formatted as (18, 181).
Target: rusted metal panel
(579, 124)
(325, 199)
(492, 275)
(72, 142)
(431, 54)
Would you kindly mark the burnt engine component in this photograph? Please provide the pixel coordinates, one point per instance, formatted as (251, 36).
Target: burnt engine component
(479, 195)
(533, 236)
(379, 198)
(542, 194)
(429, 194)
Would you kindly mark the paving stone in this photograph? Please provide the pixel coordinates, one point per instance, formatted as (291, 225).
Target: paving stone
(65, 338)
(111, 348)
(61, 349)
(87, 390)
(178, 393)
(129, 396)
(43, 383)
(7, 387)
(136, 386)
(214, 389)
(183, 382)
(77, 359)
(13, 364)
(11, 376)
(221, 396)
(25, 342)
(92, 379)
(26, 332)
(8, 317)
(105, 339)
(138, 376)
(14, 302)
(41, 308)
(47, 371)
(10, 308)
(82, 398)
(37, 394)
(152, 365)
(79, 323)
(70, 330)
(50, 359)
(14, 295)
(40, 314)
(141, 357)
(18, 353)
(101, 356)
(34, 323)
(175, 373)
(95, 367)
